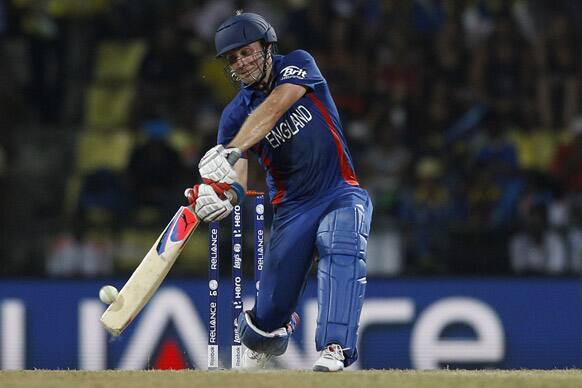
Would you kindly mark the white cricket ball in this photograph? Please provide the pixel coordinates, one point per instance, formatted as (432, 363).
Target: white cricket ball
(107, 294)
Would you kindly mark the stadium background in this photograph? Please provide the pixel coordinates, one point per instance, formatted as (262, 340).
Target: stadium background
(464, 123)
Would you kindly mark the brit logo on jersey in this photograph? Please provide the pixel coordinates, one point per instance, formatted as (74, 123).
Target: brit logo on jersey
(293, 72)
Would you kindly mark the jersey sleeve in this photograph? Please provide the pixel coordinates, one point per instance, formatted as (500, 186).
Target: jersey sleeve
(230, 122)
(299, 68)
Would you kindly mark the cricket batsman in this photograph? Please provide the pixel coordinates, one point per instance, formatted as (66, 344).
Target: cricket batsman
(285, 114)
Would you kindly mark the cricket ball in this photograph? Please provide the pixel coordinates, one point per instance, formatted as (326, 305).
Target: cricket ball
(107, 294)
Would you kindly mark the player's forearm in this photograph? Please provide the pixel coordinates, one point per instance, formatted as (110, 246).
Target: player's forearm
(263, 119)
(257, 125)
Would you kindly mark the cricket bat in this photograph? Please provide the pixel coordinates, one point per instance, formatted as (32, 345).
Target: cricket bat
(150, 273)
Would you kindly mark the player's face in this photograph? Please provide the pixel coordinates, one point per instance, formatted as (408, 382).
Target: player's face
(247, 62)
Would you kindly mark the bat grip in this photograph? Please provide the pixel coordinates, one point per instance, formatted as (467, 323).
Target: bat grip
(233, 155)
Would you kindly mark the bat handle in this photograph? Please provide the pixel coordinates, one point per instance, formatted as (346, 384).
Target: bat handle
(233, 155)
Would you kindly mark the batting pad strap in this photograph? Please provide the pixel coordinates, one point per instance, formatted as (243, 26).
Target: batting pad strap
(240, 192)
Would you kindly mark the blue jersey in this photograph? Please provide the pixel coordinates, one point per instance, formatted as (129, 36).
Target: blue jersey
(305, 155)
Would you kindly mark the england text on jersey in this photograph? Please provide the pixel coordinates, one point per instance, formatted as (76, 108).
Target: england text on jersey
(289, 127)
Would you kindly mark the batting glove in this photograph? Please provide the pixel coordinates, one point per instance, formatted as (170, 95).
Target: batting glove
(216, 164)
(208, 206)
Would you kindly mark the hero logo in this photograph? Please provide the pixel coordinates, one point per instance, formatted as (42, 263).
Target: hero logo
(293, 72)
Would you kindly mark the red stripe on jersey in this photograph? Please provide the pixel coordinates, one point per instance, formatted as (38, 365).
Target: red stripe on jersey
(346, 170)
(278, 182)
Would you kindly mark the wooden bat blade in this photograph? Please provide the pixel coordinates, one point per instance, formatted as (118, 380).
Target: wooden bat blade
(150, 273)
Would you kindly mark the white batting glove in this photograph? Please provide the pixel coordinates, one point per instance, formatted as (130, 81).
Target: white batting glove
(215, 166)
(209, 207)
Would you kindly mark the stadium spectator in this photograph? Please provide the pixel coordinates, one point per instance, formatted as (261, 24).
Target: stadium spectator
(567, 161)
(574, 234)
(536, 249)
(497, 161)
(426, 208)
(156, 172)
(167, 74)
(558, 72)
(534, 143)
(501, 69)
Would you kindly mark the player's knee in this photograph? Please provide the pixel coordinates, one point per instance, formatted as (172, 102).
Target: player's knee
(344, 232)
(273, 343)
(332, 264)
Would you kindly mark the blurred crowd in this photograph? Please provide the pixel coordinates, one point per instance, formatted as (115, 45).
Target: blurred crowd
(463, 118)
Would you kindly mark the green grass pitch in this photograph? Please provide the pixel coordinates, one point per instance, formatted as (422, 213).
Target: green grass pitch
(295, 379)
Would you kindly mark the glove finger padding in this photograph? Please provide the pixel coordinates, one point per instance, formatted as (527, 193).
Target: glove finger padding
(208, 206)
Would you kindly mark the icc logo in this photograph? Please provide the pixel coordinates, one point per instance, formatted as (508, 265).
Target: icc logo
(293, 72)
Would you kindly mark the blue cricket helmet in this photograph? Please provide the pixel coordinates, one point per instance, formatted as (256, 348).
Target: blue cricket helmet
(242, 29)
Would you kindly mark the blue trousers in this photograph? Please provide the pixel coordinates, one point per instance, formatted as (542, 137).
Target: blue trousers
(290, 254)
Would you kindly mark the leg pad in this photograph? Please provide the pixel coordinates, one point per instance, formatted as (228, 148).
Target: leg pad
(341, 278)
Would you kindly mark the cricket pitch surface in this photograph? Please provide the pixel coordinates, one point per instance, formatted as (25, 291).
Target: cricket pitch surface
(296, 379)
